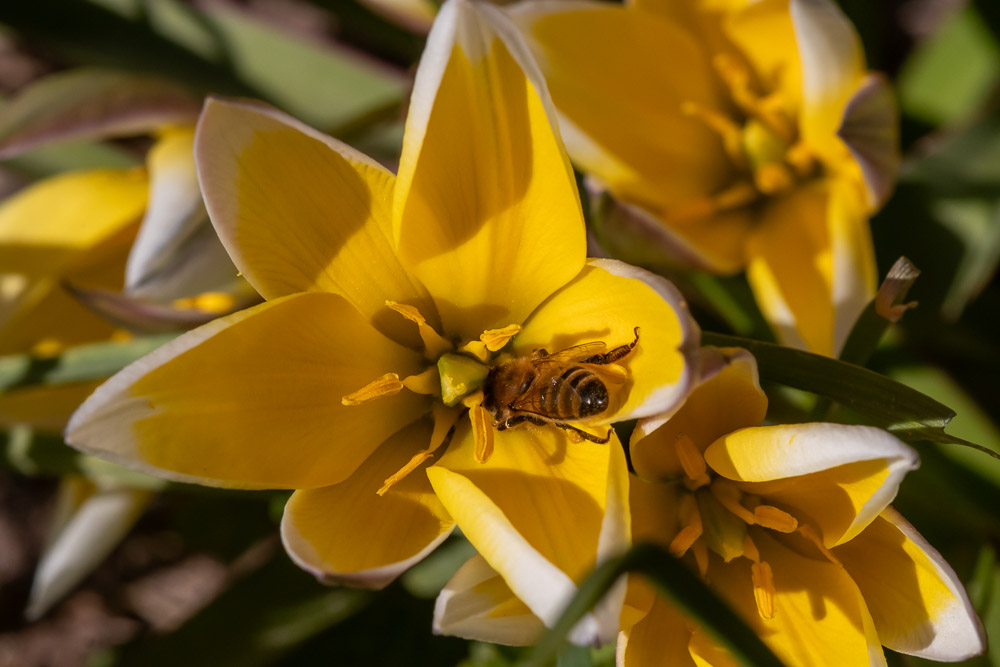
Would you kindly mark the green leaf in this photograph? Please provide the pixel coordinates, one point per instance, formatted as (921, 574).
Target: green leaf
(907, 413)
(84, 362)
(326, 86)
(953, 73)
(676, 582)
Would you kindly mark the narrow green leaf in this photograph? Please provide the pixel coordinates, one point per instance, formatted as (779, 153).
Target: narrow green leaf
(907, 413)
(85, 362)
(680, 586)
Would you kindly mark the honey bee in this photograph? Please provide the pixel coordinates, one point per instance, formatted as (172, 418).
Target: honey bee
(555, 388)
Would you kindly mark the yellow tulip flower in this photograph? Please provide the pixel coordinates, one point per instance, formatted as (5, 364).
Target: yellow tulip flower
(790, 524)
(390, 298)
(735, 135)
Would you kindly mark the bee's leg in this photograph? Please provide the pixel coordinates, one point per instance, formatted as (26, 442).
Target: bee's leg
(581, 434)
(614, 355)
(520, 419)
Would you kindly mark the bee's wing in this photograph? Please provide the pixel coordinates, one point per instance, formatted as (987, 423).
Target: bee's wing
(573, 354)
(610, 373)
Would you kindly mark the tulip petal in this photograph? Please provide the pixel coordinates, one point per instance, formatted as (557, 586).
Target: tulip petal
(299, 211)
(92, 533)
(833, 67)
(348, 533)
(659, 640)
(513, 509)
(812, 266)
(606, 302)
(820, 617)
(253, 400)
(45, 408)
(46, 228)
(486, 211)
(477, 604)
(176, 253)
(917, 601)
(870, 129)
(837, 477)
(765, 35)
(620, 101)
(731, 399)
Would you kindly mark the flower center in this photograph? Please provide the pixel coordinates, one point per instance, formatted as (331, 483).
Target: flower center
(717, 516)
(761, 141)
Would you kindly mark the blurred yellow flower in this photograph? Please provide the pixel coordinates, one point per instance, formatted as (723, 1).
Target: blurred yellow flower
(735, 135)
(389, 300)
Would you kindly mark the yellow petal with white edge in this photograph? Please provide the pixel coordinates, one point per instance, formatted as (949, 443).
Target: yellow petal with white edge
(348, 533)
(299, 211)
(606, 302)
(513, 510)
(729, 399)
(46, 228)
(658, 640)
(870, 129)
(833, 67)
(93, 532)
(476, 603)
(253, 400)
(916, 599)
(486, 211)
(820, 617)
(764, 33)
(837, 478)
(622, 120)
(176, 252)
(812, 267)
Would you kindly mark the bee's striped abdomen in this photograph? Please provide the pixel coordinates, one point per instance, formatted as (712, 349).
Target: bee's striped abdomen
(576, 393)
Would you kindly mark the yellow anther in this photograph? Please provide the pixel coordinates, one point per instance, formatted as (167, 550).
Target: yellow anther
(47, 348)
(691, 459)
(763, 589)
(121, 336)
(728, 495)
(808, 532)
(736, 196)
(767, 109)
(750, 550)
(772, 178)
(771, 517)
(209, 302)
(386, 385)
(692, 530)
(700, 551)
(494, 339)
(444, 419)
(427, 382)
(724, 126)
(482, 432)
(434, 344)
(801, 159)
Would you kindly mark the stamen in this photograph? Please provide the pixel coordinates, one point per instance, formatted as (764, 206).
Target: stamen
(725, 127)
(691, 459)
(750, 549)
(763, 589)
(810, 534)
(692, 529)
(482, 431)
(209, 302)
(444, 419)
(772, 178)
(728, 495)
(494, 339)
(733, 197)
(386, 385)
(766, 109)
(477, 349)
(801, 159)
(428, 382)
(434, 344)
(771, 517)
(700, 551)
